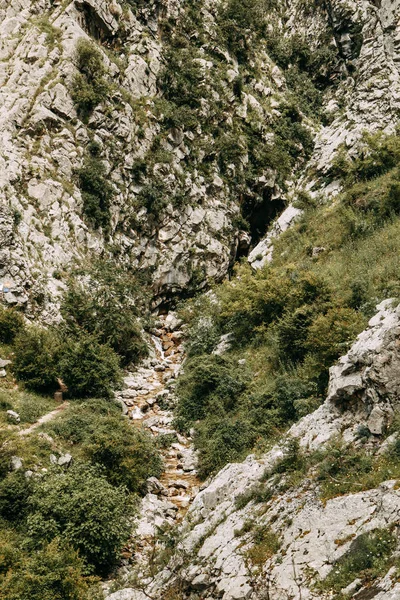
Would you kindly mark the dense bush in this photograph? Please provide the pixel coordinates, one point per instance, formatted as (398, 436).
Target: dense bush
(89, 86)
(54, 572)
(36, 356)
(11, 323)
(330, 334)
(96, 192)
(242, 23)
(182, 78)
(89, 368)
(15, 490)
(208, 386)
(81, 507)
(107, 304)
(222, 440)
(127, 454)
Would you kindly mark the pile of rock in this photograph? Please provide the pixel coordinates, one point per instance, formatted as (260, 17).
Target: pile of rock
(148, 399)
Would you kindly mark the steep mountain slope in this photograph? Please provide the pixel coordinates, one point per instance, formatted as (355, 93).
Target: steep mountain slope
(154, 150)
(284, 526)
(155, 106)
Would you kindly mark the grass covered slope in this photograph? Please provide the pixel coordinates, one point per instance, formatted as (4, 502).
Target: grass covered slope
(69, 488)
(289, 322)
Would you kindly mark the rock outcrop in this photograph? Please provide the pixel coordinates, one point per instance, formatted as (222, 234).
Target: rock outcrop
(43, 228)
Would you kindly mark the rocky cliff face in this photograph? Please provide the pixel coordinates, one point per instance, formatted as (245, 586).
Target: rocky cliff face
(233, 110)
(45, 138)
(164, 137)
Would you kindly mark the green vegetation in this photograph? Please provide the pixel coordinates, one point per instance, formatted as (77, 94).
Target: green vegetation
(89, 368)
(62, 525)
(290, 321)
(89, 86)
(243, 25)
(82, 507)
(29, 406)
(95, 430)
(96, 192)
(36, 355)
(100, 331)
(202, 105)
(42, 357)
(348, 470)
(53, 34)
(107, 304)
(265, 544)
(369, 557)
(11, 323)
(55, 572)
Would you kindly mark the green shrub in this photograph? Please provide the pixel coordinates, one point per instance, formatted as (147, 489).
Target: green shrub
(82, 508)
(11, 323)
(241, 23)
(342, 470)
(36, 356)
(370, 556)
(89, 86)
(108, 305)
(96, 191)
(208, 386)
(292, 332)
(89, 368)
(266, 543)
(181, 79)
(293, 459)
(329, 336)
(222, 440)
(80, 421)
(15, 490)
(378, 154)
(273, 405)
(55, 572)
(127, 454)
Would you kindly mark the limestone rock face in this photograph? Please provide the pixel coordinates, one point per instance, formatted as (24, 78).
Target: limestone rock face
(216, 540)
(367, 35)
(42, 226)
(43, 229)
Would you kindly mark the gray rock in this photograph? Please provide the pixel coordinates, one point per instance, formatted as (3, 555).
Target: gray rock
(123, 405)
(15, 463)
(154, 486)
(13, 416)
(65, 460)
(4, 363)
(127, 594)
(352, 587)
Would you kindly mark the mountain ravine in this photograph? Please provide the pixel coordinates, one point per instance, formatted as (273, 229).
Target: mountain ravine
(200, 299)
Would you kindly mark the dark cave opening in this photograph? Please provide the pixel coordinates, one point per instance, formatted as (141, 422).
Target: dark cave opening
(93, 24)
(259, 213)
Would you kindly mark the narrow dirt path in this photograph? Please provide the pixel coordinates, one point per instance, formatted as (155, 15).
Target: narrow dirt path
(45, 419)
(150, 399)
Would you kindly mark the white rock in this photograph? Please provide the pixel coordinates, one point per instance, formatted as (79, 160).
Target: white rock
(15, 463)
(13, 416)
